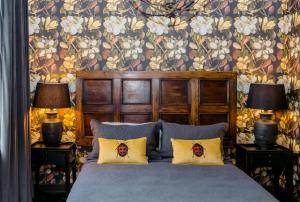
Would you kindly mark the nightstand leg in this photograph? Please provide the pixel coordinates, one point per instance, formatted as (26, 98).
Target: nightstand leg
(289, 178)
(74, 172)
(37, 181)
(248, 166)
(67, 170)
(238, 158)
(276, 180)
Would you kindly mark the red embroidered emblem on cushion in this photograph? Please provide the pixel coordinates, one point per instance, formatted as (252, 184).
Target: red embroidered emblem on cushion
(122, 149)
(198, 150)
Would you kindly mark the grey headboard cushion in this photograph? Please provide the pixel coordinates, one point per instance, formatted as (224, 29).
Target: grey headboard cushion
(189, 132)
(124, 132)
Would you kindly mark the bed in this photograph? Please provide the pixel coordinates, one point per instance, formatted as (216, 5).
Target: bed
(162, 181)
(197, 98)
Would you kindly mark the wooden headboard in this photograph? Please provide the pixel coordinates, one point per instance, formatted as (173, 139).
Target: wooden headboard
(197, 98)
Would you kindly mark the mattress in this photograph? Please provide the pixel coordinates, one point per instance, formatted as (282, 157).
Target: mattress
(162, 181)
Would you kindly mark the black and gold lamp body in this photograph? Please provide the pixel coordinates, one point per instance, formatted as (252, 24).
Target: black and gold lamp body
(52, 129)
(52, 95)
(267, 97)
(265, 130)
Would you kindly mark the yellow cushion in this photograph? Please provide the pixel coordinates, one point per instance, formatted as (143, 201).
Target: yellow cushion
(197, 152)
(132, 151)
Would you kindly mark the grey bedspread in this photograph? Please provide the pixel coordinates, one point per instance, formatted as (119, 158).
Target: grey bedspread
(162, 181)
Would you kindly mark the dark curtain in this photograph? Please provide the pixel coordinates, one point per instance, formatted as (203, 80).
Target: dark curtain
(15, 171)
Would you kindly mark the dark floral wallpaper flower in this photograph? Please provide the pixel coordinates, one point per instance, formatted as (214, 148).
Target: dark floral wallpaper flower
(258, 39)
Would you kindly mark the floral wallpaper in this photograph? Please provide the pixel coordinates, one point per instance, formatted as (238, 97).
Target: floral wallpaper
(259, 39)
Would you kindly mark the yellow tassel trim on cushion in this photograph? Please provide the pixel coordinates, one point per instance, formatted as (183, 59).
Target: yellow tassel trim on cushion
(197, 152)
(132, 151)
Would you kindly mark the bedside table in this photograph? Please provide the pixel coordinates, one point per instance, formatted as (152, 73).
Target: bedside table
(249, 157)
(62, 156)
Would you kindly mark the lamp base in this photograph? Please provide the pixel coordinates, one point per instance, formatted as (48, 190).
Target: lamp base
(52, 130)
(265, 131)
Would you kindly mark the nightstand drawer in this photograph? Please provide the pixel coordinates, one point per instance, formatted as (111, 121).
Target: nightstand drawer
(57, 158)
(265, 159)
(37, 157)
(53, 157)
(269, 159)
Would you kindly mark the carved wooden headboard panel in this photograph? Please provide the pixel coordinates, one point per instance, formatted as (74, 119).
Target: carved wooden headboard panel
(198, 98)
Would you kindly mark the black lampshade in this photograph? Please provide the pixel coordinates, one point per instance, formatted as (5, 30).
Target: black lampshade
(52, 95)
(267, 97)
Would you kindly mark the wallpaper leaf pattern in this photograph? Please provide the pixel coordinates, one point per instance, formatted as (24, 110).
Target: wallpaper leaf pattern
(259, 39)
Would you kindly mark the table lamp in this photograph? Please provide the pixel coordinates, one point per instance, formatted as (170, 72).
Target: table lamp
(52, 95)
(267, 97)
